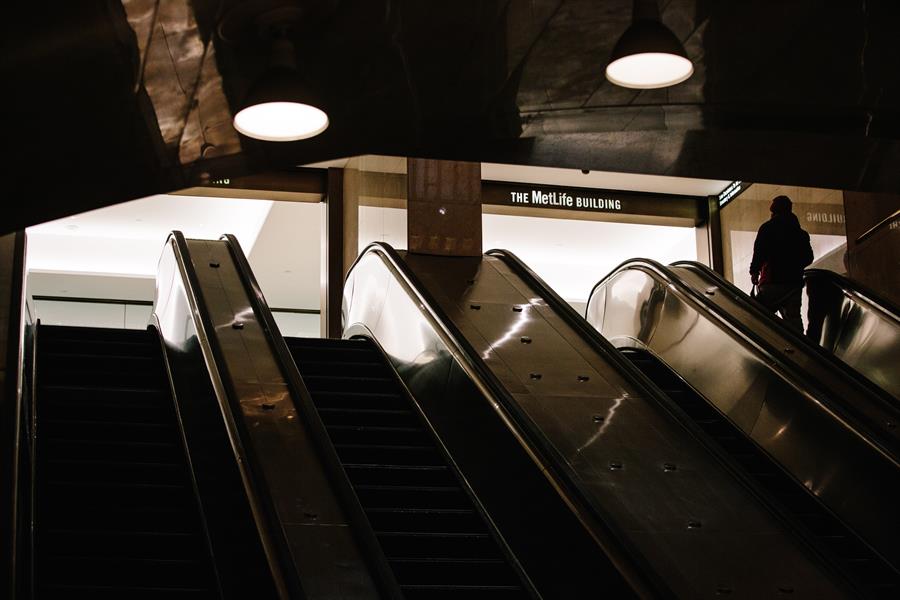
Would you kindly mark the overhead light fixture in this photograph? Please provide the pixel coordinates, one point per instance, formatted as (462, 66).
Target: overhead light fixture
(648, 55)
(281, 106)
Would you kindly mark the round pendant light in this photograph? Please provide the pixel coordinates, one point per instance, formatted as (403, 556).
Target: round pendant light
(281, 121)
(648, 56)
(281, 106)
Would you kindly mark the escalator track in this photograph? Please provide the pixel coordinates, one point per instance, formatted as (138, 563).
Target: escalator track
(434, 537)
(115, 510)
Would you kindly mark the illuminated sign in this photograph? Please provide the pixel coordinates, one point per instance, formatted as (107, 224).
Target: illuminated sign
(524, 195)
(731, 191)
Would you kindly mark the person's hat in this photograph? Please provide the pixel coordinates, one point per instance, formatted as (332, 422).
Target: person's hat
(780, 205)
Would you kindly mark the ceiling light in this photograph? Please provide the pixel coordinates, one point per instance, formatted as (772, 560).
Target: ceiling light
(648, 55)
(281, 106)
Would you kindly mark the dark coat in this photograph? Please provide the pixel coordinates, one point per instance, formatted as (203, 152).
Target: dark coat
(781, 251)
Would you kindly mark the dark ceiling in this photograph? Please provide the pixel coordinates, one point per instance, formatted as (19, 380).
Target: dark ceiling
(112, 100)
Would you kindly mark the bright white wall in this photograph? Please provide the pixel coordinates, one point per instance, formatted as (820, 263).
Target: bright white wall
(572, 256)
(89, 314)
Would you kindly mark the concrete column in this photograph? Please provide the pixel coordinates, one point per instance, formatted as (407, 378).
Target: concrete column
(332, 272)
(444, 207)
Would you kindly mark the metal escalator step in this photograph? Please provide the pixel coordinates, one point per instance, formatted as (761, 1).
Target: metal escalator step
(80, 360)
(437, 544)
(109, 411)
(388, 454)
(161, 573)
(122, 347)
(358, 399)
(87, 449)
(412, 520)
(370, 385)
(332, 350)
(340, 368)
(119, 544)
(122, 518)
(411, 496)
(364, 434)
(419, 475)
(114, 494)
(453, 571)
(102, 380)
(469, 592)
(53, 591)
(56, 394)
(68, 470)
(368, 416)
(110, 431)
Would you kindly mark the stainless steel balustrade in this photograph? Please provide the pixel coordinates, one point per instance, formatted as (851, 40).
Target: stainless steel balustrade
(811, 430)
(858, 327)
(210, 321)
(673, 516)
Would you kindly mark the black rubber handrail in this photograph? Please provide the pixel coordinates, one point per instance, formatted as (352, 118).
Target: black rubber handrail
(797, 339)
(801, 381)
(878, 227)
(303, 403)
(273, 537)
(629, 561)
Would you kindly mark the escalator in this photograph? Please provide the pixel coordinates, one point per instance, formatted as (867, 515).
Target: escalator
(675, 513)
(815, 438)
(116, 513)
(855, 325)
(851, 330)
(434, 538)
(872, 576)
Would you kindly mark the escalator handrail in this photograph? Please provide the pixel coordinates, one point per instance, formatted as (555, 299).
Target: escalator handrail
(630, 563)
(859, 292)
(271, 534)
(303, 403)
(797, 339)
(798, 378)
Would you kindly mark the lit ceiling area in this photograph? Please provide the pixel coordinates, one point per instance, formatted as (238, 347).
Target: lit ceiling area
(113, 252)
(606, 180)
(126, 239)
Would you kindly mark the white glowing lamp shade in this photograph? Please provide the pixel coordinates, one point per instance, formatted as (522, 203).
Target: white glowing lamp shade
(281, 121)
(649, 70)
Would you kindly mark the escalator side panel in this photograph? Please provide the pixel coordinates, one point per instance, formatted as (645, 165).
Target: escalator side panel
(513, 491)
(301, 521)
(870, 575)
(861, 330)
(851, 476)
(240, 556)
(873, 405)
(698, 530)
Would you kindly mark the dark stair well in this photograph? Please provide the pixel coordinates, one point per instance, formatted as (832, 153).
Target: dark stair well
(434, 538)
(116, 515)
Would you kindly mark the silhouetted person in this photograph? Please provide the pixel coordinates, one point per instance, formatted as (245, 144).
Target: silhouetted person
(823, 311)
(780, 253)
